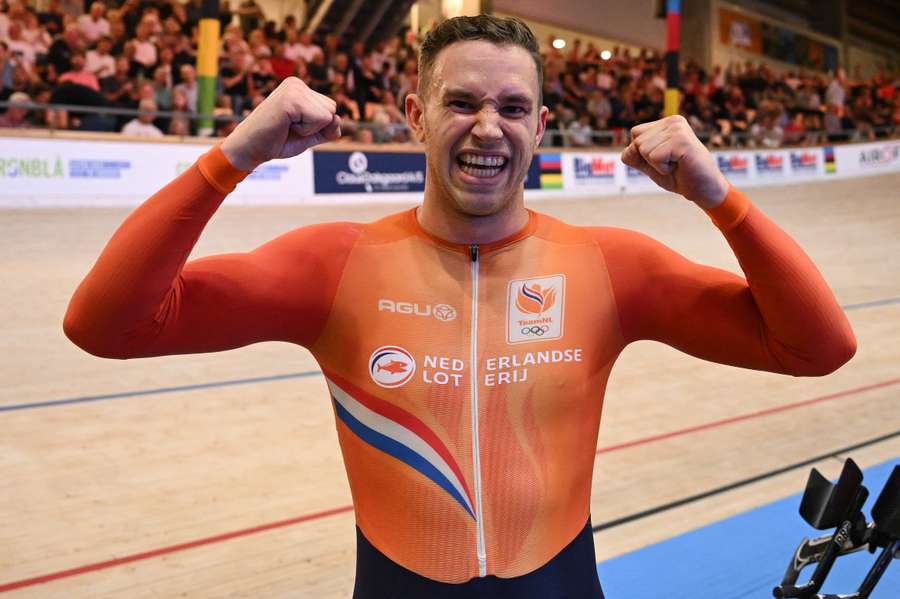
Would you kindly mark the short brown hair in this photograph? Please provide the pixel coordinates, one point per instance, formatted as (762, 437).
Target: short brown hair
(500, 31)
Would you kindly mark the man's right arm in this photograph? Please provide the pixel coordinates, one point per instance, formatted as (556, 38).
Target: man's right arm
(141, 299)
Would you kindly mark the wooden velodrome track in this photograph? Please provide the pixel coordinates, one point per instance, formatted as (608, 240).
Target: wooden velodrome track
(220, 475)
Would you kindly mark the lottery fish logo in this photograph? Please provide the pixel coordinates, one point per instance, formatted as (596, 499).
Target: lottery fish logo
(535, 299)
(391, 366)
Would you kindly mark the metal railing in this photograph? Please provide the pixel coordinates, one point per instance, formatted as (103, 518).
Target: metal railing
(105, 121)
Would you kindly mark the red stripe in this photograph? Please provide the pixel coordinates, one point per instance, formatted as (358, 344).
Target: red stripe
(11, 586)
(673, 32)
(19, 584)
(733, 419)
(404, 418)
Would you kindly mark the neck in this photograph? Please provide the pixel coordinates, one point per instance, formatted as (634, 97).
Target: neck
(439, 217)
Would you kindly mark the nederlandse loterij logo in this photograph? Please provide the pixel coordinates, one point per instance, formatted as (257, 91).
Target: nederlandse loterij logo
(534, 309)
(391, 366)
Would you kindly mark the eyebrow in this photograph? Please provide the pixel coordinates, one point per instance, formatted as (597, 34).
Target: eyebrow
(514, 97)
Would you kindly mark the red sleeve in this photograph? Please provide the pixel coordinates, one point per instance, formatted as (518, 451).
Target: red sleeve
(141, 299)
(781, 318)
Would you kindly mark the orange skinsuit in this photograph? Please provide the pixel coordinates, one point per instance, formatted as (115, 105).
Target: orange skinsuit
(458, 471)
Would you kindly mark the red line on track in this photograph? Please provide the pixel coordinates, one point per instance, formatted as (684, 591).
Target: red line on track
(751, 415)
(19, 584)
(170, 549)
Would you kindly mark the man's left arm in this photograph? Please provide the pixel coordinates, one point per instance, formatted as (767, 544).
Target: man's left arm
(783, 317)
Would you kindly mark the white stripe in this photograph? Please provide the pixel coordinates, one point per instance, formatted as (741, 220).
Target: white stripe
(399, 433)
(480, 550)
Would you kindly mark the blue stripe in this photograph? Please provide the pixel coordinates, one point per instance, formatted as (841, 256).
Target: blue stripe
(400, 451)
(874, 304)
(266, 379)
(160, 390)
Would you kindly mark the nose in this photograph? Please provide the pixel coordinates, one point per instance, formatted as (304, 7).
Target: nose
(487, 125)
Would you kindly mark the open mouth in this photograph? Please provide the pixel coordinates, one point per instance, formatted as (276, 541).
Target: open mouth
(481, 166)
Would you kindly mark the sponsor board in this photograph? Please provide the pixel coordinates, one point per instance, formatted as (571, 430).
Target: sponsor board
(50, 172)
(597, 172)
(807, 162)
(771, 164)
(736, 166)
(368, 172)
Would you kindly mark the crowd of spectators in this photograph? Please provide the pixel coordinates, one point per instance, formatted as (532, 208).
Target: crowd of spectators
(140, 55)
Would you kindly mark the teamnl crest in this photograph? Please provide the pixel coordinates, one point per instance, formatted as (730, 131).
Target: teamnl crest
(534, 309)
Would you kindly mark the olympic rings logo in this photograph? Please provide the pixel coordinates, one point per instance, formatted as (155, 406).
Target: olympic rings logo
(535, 330)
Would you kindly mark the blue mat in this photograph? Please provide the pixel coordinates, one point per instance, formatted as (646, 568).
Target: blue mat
(744, 556)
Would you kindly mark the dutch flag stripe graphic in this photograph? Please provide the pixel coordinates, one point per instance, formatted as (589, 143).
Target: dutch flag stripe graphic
(402, 436)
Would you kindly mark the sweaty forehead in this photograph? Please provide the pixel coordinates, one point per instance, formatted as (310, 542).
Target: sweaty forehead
(484, 69)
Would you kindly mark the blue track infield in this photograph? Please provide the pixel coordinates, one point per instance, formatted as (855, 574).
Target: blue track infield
(743, 557)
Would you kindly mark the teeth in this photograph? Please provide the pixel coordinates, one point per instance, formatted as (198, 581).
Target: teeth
(480, 171)
(476, 159)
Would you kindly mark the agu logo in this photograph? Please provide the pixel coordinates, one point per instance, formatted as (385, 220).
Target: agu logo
(391, 366)
(534, 309)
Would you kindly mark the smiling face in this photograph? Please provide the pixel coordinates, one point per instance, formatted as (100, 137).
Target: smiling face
(480, 121)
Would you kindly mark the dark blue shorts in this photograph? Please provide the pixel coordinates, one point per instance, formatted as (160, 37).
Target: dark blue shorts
(572, 574)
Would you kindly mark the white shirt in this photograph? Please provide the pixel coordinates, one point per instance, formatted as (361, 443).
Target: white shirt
(100, 65)
(145, 52)
(93, 30)
(306, 53)
(139, 129)
(24, 51)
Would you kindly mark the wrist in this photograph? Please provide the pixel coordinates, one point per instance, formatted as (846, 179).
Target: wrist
(235, 157)
(712, 197)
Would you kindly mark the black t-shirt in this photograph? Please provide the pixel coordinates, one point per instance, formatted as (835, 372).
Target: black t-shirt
(237, 89)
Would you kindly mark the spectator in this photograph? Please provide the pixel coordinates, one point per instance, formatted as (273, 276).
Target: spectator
(766, 133)
(35, 34)
(145, 51)
(162, 89)
(93, 25)
(836, 94)
(22, 51)
(51, 18)
(143, 126)
(282, 66)
(60, 53)
(180, 123)
(119, 88)
(250, 16)
(7, 67)
(579, 133)
(79, 75)
(306, 50)
(188, 86)
(235, 77)
(263, 78)
(99, 61)
(16, 117)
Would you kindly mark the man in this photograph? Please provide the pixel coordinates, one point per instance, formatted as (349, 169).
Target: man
(94, 25)
(16, 116)
(79, 74)
(99, 61)
(143, 125)
(467, 424)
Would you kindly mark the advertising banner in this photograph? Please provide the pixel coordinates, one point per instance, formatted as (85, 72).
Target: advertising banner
(64, 172)
(47, 172)
(594, 172)
(866, 159)
(369, 172)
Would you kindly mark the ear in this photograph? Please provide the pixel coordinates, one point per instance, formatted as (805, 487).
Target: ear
(415, 116)
(542, 125)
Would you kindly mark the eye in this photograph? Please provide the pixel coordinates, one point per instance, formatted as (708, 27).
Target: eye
(460, 105)
(514, 110)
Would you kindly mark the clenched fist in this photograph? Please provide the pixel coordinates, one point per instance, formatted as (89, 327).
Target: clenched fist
(668, 152)
(291, 120)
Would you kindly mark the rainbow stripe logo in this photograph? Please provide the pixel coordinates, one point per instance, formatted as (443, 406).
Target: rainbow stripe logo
(551, 171)
(398, 433)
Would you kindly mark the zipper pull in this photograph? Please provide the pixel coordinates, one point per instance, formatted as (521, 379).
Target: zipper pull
(473, 252)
